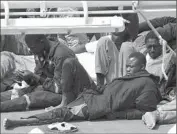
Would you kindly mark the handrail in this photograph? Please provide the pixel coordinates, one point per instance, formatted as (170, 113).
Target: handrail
(6, 7)
(85, 8)
(56, 4)
(43, 9)
(89, 12)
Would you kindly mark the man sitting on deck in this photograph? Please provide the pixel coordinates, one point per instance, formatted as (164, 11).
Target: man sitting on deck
(58, 77)
(111, 52)
(166, 113)
(137, 91)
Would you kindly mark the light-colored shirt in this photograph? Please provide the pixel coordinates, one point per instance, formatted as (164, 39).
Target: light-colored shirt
(154, 66)
(107, 59)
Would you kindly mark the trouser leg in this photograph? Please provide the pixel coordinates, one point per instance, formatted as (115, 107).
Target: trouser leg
(56, 115)
(169, 106)
(43, 99)
(167, 117)
(17, 104)
(5, 96)
(38, 99)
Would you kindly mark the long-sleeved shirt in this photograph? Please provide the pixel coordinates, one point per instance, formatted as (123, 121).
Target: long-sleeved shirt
(61, 72)
(49, 69)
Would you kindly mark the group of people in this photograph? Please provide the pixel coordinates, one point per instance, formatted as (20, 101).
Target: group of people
(130, 84)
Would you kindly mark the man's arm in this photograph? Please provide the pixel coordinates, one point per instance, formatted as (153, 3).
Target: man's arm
(100, 79)
(157, 22)
(102, 61)
(127, 114)
(38, 76)
(88, 47)
(79, 49)
(168, 31)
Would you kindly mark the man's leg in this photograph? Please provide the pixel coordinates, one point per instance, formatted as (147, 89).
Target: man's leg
(160, 117)
(56, 115)
(79, 111)
(5, 96)
(166, 114)
(170, 106)
(43, 99)
(67, 82)
(17, 104)
(38, 99)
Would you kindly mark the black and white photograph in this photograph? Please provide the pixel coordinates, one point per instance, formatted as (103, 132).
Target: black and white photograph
(88, 67)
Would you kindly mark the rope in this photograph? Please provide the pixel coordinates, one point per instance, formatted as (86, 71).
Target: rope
(161, 40)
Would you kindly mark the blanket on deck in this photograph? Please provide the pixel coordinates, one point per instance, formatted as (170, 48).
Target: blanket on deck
(137, 91)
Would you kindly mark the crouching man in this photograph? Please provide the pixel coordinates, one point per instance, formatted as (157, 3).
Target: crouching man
(133, 95)
(57, 81)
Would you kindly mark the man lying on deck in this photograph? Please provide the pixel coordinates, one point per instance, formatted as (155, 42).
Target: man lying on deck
(131, 96)
(57, 81)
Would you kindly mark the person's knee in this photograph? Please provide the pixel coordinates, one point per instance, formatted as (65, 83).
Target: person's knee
(39, 88)
(43, 99)
(5, 96)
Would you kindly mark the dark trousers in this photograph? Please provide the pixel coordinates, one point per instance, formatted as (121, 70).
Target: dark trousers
(61, 114)
(37, 98)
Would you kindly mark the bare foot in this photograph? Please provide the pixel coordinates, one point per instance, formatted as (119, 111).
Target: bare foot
(149, 119)
(8, 123)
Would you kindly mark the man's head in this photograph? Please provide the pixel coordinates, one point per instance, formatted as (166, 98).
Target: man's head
(136, 62)
(153, 46)
(131, 29)
(36, 43)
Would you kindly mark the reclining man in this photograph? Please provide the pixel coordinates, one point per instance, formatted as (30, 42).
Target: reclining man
(137, 91)
(57, 72)
(154, 60)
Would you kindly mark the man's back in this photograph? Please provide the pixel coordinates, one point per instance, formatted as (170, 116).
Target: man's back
(60, 51)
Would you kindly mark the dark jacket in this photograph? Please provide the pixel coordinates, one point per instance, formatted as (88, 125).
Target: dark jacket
(138, 91)
(63, 71)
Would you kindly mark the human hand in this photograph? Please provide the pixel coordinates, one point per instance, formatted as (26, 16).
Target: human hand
(24, 75)
(162, 41)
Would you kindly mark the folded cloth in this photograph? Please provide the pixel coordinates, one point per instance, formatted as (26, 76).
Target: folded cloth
(63, 127)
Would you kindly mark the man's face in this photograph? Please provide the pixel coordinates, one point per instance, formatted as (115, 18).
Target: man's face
(132, 66)
(118, 38)
(36, 48)
(153, 48)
